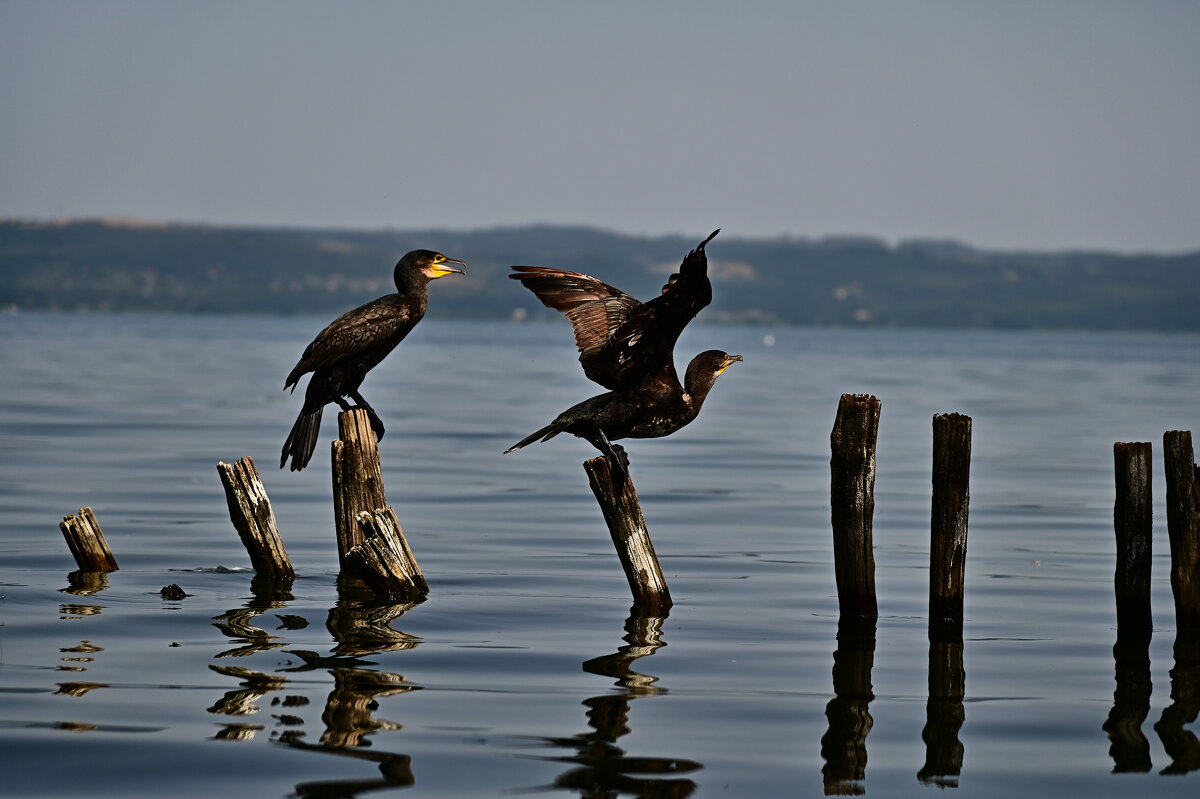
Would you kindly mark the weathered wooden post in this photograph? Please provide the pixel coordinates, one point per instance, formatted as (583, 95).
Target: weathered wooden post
(357, 478)
(86, 542)
(384, 560)
(618, 502)
(948, 530)
(251, 514)
(1132, 519)
(1183, 530)
(852, 497)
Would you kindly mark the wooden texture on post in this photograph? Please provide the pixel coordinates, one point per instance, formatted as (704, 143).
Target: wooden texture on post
(251, 514)
(618, 502)
(357, 478)
(852, 498)
(1183, 529)
(384, 560)
(948, 526)
(86, 541)
(1132, 519)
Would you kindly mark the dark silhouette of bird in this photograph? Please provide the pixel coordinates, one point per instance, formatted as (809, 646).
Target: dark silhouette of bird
(353, 344)
(647, 411)
(628, 346)
(623, 342)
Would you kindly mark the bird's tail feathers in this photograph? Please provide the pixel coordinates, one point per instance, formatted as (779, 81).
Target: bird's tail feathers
(302, 440)
(545, 434)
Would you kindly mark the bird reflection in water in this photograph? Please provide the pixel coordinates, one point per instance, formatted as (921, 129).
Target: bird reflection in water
(844, 745)
(601, 767)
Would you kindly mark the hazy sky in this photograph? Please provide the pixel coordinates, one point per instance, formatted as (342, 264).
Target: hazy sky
(1016, 124)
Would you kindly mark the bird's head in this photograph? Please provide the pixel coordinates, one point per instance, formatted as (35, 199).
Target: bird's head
(705, 368)
(429, 263)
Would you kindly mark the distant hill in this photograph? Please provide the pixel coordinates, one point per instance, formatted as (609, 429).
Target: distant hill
(114, 264)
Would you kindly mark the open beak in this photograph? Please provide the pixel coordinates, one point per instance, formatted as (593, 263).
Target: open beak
(443, 268)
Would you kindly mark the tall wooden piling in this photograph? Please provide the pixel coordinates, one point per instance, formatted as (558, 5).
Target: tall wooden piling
(852, 497)
(252, 516)
(1132, 520)
(87, 543)
(948, 526)
(357, 478)
(1183, 529)
(622, 511)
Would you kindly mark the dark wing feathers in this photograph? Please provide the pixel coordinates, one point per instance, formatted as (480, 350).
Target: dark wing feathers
(352, 334)
(694, 263)
(594, 308)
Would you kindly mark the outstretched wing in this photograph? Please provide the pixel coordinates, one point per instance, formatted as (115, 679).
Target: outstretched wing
(596, 309)
(622, 342)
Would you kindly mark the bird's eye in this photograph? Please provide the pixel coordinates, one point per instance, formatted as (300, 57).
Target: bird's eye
(437, 259)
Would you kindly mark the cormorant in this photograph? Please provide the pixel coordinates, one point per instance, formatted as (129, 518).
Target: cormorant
(628, 346)
(353, 344)
(647, 411)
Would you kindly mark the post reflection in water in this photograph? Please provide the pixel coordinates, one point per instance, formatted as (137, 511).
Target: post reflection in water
(1128, 746)
(944, 714)
(1182, 745)
(81, 583)
(601, 767)
(844, 745)
(360, 627)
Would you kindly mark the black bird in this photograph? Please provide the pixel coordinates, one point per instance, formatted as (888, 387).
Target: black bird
(623, 342)
(353, 344)
(628, 346)
(648, 411)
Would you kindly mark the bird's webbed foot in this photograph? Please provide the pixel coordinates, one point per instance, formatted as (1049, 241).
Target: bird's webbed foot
(614, 452)
(376, 422)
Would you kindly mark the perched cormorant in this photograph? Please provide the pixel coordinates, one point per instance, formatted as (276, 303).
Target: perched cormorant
(353, 344)
(647, 411)
(628, 346)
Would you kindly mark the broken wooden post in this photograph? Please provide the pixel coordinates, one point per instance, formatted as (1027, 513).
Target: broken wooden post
(383, 560)
(357, 478)
(852, 497)
(1183, 529)
(251, 514)
(86, 541)
(948, 531)
(618, 501)
(1132, 517)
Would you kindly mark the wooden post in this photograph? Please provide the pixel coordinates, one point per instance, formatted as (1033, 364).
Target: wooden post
(951, 502)
(618, 502)
(853, 504)
(86, 541)
(1132, 518)
(1183, 530)
(357, 478)
(251, 514)
(383, 560)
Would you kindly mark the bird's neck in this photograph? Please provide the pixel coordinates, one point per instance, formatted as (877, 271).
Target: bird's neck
(410, 282)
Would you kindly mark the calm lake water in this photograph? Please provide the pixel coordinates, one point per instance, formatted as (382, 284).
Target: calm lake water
(523, 673)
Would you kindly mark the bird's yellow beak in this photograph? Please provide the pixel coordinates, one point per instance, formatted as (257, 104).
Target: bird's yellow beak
(441, 269)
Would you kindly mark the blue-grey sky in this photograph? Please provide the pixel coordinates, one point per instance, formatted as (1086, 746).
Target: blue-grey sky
(1022, 124)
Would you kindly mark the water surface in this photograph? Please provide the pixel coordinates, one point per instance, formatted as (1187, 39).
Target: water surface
(524, 673)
